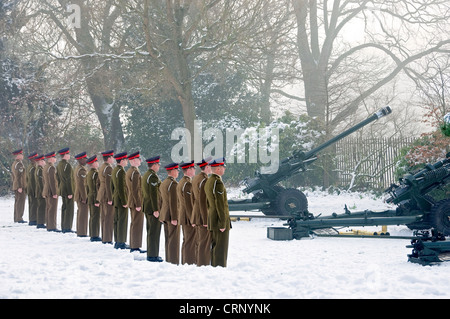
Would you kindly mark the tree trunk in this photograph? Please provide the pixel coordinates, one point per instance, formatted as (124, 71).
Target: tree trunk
(99, 84)
(313, 63)
(107, 111)
(316, 93)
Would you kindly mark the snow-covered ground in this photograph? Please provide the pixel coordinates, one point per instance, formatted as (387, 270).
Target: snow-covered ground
(37, 264)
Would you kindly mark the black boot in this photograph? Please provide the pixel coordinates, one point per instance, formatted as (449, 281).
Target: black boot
(137, 249)
(120, 246)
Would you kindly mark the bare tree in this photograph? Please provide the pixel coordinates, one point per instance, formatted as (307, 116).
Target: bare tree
(395, 34)
(185, 37)
(432, 79)
(268, 55)
(91, 44)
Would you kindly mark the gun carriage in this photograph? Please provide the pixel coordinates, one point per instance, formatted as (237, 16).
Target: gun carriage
(416, 208)
(273, 199)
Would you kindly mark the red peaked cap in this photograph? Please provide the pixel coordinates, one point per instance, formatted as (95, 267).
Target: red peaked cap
(108, 153)
(134, 155)
(187, 165)
(63, 151)
(17, 152)
(153, 160)
(204, 161)
(218, 162)
(120, 156)
(32, 155)
(81, 155)
(92, 159)
(171, 166)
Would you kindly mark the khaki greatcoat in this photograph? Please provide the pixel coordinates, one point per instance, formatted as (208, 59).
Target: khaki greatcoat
(169, 212)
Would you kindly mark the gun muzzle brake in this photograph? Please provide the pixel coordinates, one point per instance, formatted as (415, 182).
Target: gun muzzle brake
(383, 111)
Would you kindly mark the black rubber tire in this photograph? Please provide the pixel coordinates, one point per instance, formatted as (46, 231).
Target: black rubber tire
(290, 201)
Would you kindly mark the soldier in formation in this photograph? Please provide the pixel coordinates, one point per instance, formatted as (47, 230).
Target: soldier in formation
(200, 214)
(120, 200)
(64, 175)
(18, 175)
(150, 206)
(40, 200)
(50, 191)
(133, 182)
(169, 214)
(197, 203)
(219, 222)
(92, 186)
(185, 203)
(105, 197)
(31, 189)
(80, 195)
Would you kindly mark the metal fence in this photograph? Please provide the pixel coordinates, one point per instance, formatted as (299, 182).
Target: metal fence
(368, 162)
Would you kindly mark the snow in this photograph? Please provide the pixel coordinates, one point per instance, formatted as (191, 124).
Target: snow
(35, 263)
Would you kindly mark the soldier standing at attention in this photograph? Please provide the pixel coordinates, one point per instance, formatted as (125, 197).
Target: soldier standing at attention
(133, 181)
(92, 185)
(218, 213)
(50, 191)
(150, 206)
(104, 197)
(80, 195)
(120, 200)
(184, 195)
(64, 174)
(169, 214)
(40, 200)
(31, 189)
(200, 214)
(19, 184)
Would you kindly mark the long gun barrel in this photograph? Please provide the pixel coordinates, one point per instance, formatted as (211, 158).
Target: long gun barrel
(299, 159)
(382, 112)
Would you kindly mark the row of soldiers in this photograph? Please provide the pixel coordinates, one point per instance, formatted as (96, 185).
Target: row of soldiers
(104, 194)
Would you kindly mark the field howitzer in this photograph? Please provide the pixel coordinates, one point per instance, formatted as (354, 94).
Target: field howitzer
(416, 208)
(273, 199)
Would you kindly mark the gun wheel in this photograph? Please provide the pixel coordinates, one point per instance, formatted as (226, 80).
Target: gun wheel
(440, 216)
(291, 201)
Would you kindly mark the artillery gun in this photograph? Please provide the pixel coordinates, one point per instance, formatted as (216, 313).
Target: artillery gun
(416, 208)
(273, 199)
